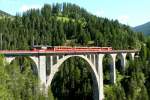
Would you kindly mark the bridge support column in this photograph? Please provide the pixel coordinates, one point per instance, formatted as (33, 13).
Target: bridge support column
(42, 69)
(113, 69)
(57, 58)
(99, 65)
(132, 55)
(49, 64)
(51, 61)
(123, 61)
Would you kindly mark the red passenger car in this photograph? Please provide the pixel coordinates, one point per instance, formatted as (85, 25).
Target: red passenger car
(72, 49)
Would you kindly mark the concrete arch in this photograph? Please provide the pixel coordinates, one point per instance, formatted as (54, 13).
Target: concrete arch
(95, 76)
(60, 61)
(107, 68)
(9, 59)
(129, 56)
(34, 59)
(132, 55)
(122, 58)
(112, 67)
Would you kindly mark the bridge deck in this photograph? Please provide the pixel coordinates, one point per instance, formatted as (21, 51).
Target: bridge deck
(35, 52)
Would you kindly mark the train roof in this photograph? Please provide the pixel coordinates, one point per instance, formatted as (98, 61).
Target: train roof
(48, 46)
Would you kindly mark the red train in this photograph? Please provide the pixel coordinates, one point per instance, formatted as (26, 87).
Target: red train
(71, 49)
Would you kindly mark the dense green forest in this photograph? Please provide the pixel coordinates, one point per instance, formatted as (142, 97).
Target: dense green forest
(65, 24)
(68, 24)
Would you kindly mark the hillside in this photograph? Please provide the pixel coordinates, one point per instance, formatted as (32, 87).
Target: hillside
(145, 28)
(56, 24)
(4, 15)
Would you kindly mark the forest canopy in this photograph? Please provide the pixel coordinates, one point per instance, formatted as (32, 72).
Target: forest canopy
(65, 24)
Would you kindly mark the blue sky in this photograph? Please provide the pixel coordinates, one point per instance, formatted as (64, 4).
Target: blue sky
(130, 12)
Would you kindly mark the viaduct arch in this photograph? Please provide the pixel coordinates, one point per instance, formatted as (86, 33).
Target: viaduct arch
(93, 71)
(34, 61)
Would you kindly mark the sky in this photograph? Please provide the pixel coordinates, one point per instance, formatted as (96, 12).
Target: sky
(129, 12)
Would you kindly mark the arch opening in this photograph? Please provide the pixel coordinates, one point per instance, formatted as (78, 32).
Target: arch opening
(24, 63)
(120, 63)
(75, 80)
(136, 56)
(48, 69)
(128, 59)
(129, 56)
(107, 68)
